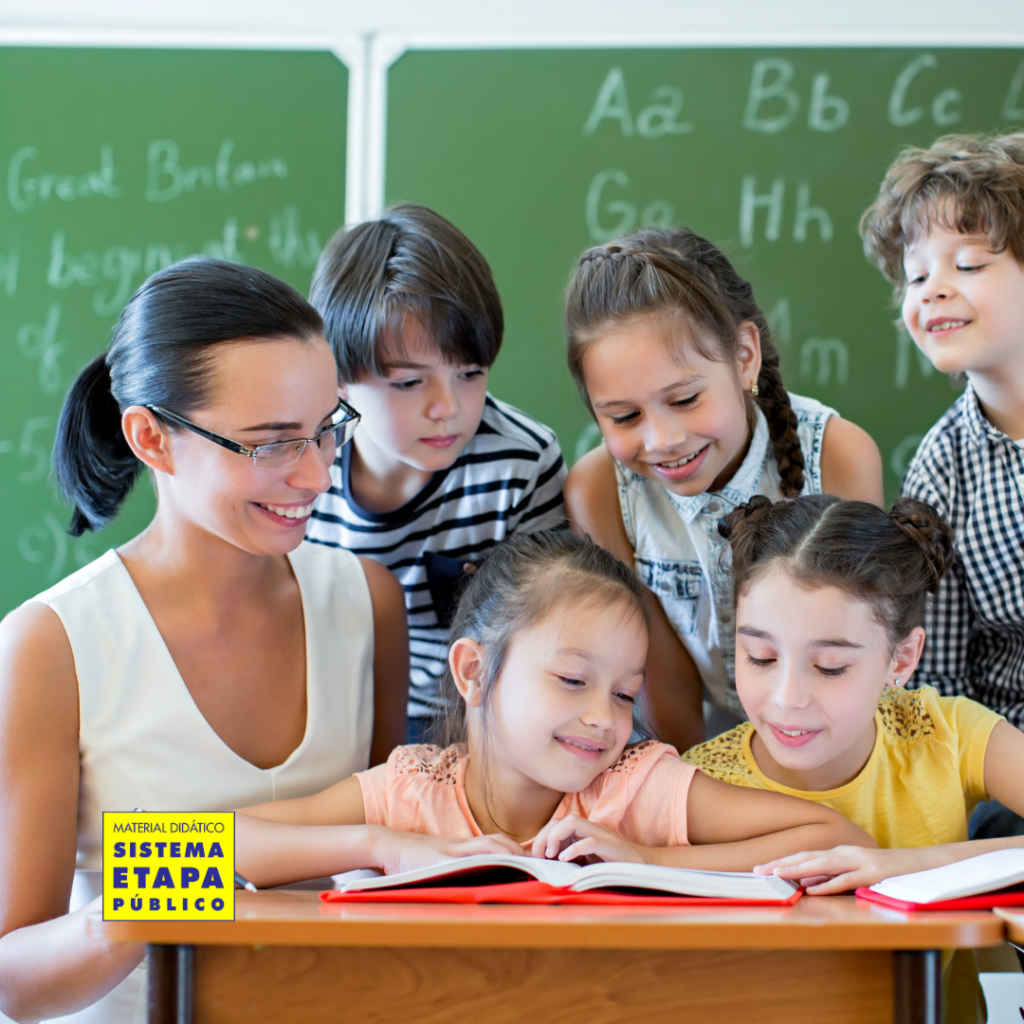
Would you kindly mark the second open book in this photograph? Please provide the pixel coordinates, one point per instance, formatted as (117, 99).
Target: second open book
(511, 879)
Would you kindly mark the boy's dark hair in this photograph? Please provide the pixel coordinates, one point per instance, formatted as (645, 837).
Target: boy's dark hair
(161, 353)
(523, 579)
(677, 272)
(410, 262)
(891, 560)
(973, 184)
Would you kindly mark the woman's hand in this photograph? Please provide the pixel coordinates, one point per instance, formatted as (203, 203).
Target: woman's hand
(405, 851)
(827, 872)
(573, 838)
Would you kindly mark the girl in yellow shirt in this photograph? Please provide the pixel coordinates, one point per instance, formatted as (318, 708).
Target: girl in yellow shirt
(829, 605)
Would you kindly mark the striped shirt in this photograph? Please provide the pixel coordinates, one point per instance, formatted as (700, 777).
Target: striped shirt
(507, 479)
(974, 475)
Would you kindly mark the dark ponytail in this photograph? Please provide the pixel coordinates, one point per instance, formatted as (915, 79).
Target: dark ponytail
(889, 560)
(160, 354)
(656, 271)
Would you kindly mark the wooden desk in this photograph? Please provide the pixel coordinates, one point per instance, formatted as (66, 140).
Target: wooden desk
(1014, 930)
(288, 957)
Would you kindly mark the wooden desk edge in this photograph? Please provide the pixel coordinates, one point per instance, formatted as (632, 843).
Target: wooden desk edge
(1014, 923)
(407, 929)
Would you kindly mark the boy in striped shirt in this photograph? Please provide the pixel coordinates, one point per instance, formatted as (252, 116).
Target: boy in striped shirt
(439, 471)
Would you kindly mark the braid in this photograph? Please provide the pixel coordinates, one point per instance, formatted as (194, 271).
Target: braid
(774, 401)
(922, 524)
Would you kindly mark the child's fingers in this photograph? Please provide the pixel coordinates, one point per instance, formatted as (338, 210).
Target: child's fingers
(830, 866)
(793, 858)
(586, 847)
(558, 833)
(834, 886)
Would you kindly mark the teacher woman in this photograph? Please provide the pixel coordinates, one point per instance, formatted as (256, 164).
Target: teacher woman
(214, 661)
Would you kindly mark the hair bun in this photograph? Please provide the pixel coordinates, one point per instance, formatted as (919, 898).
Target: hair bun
(932, 534)
(753, 512)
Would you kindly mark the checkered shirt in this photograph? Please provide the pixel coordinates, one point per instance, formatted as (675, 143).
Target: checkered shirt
(974, 475)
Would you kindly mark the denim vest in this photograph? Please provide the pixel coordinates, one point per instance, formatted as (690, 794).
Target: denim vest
(683, 559)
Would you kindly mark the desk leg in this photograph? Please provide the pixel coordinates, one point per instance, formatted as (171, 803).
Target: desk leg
(1020, 954)
(918, 987)
(186, 956)
(170, 984)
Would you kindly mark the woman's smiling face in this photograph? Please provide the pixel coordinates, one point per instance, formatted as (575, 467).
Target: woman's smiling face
(263, 391)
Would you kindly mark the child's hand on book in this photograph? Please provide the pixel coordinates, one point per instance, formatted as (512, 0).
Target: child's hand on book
(576, 838)
(827, 872)
(406, 851)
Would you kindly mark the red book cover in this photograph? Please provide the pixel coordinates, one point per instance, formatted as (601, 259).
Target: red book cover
(538, 893)
(983, 901)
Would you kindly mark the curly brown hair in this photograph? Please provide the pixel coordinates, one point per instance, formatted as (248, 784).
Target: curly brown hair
(676, 271)
(973, 184)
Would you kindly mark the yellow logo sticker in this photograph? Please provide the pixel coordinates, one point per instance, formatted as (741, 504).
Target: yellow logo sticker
(168, 867)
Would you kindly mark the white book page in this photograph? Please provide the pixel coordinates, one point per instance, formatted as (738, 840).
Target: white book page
(551, 871)
(683, 881)
(969, 877)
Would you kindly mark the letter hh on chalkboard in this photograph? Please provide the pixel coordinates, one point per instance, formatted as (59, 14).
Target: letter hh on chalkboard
(751, 202)
(805, 213)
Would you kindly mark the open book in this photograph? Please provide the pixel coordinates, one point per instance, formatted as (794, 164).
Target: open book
(507, 878)
(990, 880)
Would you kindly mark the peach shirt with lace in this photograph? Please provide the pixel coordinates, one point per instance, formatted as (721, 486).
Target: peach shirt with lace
(422, 789)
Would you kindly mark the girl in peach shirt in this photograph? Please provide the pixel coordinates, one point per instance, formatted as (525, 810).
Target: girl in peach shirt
(546, 662)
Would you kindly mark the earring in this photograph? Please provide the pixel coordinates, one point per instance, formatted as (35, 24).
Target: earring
(896, 682)
(754, 389)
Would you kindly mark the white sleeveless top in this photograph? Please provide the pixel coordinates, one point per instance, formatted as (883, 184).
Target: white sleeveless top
(144, 743)
(680, 555)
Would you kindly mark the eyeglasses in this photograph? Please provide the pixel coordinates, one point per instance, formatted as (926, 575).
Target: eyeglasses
(329, 439)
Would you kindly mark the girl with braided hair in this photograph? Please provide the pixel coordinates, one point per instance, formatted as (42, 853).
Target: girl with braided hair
(675, 360)
(830, 599)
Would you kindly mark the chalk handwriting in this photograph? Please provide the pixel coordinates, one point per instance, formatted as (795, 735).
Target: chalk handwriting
(30, 447)
(772, 105)
(167, 179)
(289, 243)
(943, 105)
(780, 322)
(46, 540)
(772, 203)
(39, 341)
(124, 266)
(904, 347)
(1013, 105)
(25, 188)
(657, 213)
(833, 358)
(9, 263)
(658, 118)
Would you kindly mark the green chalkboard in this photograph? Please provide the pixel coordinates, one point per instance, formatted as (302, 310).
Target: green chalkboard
(774, 154)
(116, 163)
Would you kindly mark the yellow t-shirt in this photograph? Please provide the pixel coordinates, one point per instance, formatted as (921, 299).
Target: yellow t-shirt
(923, 779)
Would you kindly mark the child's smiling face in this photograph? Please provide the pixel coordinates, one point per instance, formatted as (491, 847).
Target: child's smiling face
(964, 303)
(666, 411)
(562, 708)
(811, 666)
